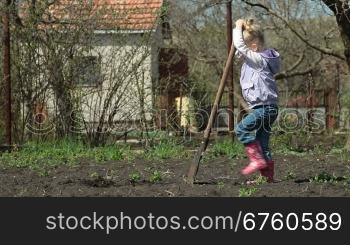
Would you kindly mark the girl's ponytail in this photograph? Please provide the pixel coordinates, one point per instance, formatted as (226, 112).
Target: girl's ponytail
(249, 25)
(252, 31)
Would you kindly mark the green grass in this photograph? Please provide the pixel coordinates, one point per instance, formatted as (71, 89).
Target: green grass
(227, 148)
(285, 143)
(110, 153)
(303, 143)
(166, 149)
(66, 152)
(38, 155)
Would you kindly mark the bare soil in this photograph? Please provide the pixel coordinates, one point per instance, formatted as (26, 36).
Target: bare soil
(217, 178)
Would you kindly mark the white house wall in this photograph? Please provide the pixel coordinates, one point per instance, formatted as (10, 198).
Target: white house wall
(125, 63)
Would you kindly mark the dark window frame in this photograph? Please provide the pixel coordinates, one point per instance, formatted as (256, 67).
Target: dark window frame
(88, 71)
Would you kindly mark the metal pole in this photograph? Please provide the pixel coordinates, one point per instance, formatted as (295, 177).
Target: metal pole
(7, 72)
(230, 85)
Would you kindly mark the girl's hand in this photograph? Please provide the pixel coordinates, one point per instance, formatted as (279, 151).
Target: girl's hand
(240, 23)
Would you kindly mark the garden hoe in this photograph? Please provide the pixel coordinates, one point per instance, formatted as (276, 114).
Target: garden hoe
(192, 172)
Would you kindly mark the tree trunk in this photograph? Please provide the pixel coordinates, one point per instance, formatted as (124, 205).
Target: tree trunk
(7, 72)
(65, 108)
(340, 10)
(64, 101)
(344, 27)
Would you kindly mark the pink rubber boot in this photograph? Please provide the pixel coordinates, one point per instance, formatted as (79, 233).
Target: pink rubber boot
(257, 161)
(269, 171)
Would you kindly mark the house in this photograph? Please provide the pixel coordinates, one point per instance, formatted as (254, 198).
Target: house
(120, 77)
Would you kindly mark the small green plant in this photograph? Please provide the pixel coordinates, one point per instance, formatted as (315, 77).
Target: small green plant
(260, 180)
(289, 176)
(156, 177)
(94, 175)
(134, 177)
(247, 191)
(221, 184)
(324, 177)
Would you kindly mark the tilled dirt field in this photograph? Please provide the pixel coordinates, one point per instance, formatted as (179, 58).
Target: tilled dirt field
(298, 176)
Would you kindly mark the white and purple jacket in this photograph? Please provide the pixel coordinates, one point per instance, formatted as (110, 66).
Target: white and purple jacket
(257, 75)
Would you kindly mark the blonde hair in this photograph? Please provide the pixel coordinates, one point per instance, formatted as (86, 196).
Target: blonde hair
(252, 31)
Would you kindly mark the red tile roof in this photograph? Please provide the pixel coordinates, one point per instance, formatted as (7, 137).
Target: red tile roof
(139, 15)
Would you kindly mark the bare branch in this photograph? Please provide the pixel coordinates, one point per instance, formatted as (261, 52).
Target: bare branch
(298, 62)
(289, 74)
(326, 51)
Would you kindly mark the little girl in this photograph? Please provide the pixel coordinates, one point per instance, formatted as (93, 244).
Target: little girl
(259, 90)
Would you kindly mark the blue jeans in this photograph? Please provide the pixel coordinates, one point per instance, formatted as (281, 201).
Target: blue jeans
(257, 126)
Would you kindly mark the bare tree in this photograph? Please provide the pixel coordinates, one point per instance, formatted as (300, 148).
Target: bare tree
(90, 81)
(202, 32)
(341, 10)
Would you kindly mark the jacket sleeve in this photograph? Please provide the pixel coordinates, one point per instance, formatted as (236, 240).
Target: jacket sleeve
(253, 58)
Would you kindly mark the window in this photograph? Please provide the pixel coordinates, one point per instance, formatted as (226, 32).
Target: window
(88, 71)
